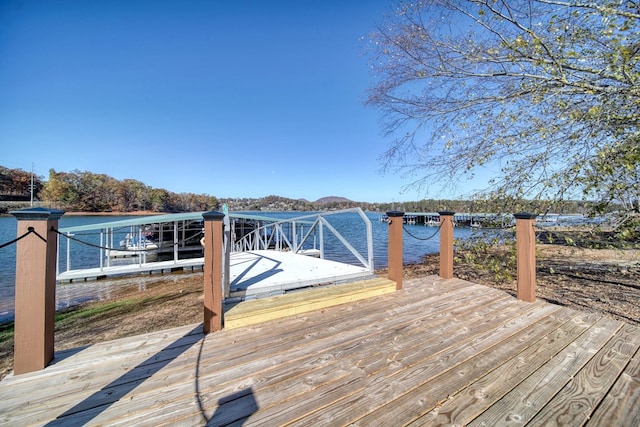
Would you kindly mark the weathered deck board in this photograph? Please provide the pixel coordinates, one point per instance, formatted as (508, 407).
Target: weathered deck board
(294, 363)
(577, 400)
(620, 405)
(522, 403)
(463, 407)
(412, 404)
(437, 352)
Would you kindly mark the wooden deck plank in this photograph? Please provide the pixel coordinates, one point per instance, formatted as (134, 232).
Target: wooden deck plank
(77, 395)
(436, 352)
(285, 300)
(463, 407)
(126, 348)
(523, 402)
(406, 371)
(417, 402)
(414, 398)
(384, 343)
(620, 405)
(236, 372)
(243, 355)
(317, 355)
(575, 403)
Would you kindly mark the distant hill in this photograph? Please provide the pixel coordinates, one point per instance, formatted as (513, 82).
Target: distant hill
(332, 199)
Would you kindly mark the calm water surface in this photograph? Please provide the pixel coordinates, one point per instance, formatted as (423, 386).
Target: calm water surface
(350, 225)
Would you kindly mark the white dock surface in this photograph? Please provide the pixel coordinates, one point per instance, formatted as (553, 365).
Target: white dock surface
(260, 272)
(255, 273)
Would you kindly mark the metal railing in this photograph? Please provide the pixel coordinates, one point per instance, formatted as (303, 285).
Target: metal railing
(305, 235)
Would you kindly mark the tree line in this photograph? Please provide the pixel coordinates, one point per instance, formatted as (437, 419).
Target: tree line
(84, 191)
(91, 192)
(15, 184)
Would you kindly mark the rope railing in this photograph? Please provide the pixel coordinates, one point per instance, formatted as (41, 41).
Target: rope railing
(30, 230)
(435, 233)
(93, 245)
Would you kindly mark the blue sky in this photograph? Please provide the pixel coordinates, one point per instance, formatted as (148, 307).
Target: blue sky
(228, 98)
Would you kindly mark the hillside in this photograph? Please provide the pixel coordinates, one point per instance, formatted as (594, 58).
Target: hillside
(332, 199)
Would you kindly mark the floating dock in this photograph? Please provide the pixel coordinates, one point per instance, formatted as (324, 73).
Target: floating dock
(252, 274)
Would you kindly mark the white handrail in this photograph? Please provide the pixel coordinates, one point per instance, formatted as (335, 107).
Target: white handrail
(274, 235)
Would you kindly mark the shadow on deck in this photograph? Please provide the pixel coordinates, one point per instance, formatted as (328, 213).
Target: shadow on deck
(437, 352)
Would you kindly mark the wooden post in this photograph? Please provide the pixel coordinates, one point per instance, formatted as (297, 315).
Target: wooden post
(395, 247)
(446, 244)
(35, 300)
(526, 256)
(212, 271)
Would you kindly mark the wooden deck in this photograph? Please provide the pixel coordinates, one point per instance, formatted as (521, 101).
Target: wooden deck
(438, 352)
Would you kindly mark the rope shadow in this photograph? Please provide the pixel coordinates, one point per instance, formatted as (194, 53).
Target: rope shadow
(232, 409)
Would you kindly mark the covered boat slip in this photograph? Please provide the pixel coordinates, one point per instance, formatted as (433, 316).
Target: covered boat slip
(437, 352)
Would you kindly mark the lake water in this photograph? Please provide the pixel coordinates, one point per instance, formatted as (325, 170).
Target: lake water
(349, 224)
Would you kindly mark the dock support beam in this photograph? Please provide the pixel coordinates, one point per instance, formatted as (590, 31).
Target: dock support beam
(446, 244)
(35, 300)
(526, 256)
(213, 271)
(395, 247)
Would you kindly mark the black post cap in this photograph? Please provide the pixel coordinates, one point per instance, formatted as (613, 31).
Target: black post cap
(213, 216)
(525, 215)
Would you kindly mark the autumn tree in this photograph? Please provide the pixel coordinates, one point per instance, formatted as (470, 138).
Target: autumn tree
(17, 182)
(546, 93)
(91, 192)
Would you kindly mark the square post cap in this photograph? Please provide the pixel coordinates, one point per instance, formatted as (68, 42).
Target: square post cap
(446, 213)
(525, 215)
(37, 214)
(395, 214)
(213, 216)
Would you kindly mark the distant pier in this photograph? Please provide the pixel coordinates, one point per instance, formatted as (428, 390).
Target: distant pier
(480, 220)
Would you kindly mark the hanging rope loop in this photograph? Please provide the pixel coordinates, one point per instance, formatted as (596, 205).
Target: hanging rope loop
(435, 233)
(29, 231)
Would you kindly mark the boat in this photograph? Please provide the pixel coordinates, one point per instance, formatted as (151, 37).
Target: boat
(432, 221)
(133, 245)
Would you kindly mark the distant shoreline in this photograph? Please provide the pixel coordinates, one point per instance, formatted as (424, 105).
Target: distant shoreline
(135, 213)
